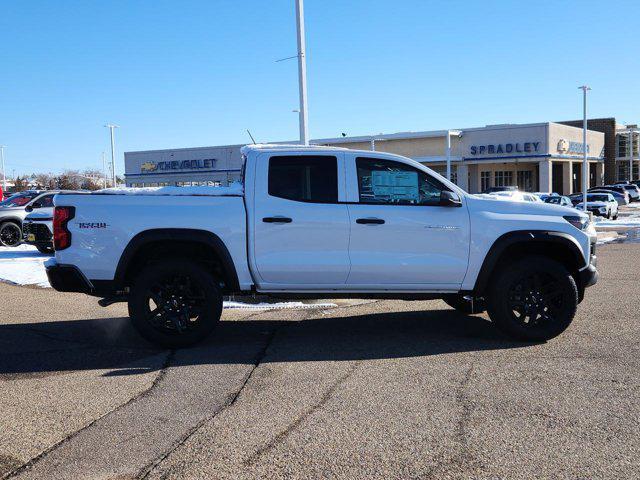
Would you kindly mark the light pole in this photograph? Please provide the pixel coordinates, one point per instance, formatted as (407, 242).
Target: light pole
(448, 152)
(111, 127)
(302, 73)
(631, 132)
(585, 164)
(4, 175)
(104, 171)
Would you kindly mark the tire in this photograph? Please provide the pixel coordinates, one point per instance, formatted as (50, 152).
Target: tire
(10, 234)
(533, 299)
(46, 249)
(175, 304)
(458, 302)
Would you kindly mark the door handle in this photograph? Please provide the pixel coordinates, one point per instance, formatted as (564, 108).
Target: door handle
(277, 220)
(370, 221)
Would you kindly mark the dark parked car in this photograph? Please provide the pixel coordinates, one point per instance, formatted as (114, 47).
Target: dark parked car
(621, 197)
(632, 190)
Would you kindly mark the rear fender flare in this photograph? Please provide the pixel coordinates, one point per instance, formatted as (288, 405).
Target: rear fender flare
(136, 245)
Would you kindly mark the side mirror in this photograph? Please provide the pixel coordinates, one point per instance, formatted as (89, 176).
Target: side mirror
(28, 208)
(449, 199)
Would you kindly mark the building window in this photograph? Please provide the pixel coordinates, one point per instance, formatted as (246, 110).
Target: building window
(622, 171)
(485, 181)
(525, 180)
(621, 145)
(503, 179)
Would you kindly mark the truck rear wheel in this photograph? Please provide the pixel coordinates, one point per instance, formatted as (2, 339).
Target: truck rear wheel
(534, 299)
(175, 303)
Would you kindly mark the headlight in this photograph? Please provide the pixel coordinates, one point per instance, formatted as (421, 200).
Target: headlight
(603, 209)
(581, 222)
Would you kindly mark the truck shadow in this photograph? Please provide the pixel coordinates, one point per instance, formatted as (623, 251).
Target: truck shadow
(49, 348)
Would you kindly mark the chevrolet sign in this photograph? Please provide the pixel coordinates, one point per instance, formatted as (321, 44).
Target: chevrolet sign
(199, 164)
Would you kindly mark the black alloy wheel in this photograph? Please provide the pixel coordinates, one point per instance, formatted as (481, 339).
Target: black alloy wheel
(534, 299)
(10, 234)
(175, 303)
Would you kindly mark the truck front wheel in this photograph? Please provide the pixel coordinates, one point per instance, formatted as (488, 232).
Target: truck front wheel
(533, 299)
(175, 303)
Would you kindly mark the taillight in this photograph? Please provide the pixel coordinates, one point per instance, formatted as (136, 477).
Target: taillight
(61, 234)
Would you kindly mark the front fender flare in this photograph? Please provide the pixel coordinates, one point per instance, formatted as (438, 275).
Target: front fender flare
(525, 236)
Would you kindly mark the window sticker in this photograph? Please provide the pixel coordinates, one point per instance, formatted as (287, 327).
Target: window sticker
(394, 186)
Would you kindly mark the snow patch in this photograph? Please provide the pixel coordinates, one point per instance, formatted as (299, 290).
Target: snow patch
(235, 188)
(23, 265)
(276, 306)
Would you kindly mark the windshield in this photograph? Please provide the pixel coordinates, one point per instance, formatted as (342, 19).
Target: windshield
(597, 198)
(19, 199)
(555, 200)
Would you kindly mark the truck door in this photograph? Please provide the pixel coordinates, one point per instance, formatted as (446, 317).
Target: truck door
(401, 235)
(301, 231)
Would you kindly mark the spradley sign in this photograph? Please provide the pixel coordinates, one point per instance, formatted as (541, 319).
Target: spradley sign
(524, 147)
(200, 164)
(565, 146)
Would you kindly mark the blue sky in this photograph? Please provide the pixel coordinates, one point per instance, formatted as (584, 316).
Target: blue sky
(195, 73)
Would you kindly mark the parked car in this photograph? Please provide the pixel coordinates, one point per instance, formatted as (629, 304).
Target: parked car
(14, 210)
(613, 188)
(37, 229)
(507, 188)
(544, 195)
(601, 204)
(322, 222)
(559, 200)
(621, 197)
(515, 196)
(633, 190)
(20, 199)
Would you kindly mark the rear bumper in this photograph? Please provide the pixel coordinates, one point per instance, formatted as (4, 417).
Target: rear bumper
(67, 278)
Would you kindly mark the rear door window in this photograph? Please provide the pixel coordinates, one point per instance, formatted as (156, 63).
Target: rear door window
(304, 178)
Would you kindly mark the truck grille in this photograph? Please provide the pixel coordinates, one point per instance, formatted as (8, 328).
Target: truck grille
(40, 231)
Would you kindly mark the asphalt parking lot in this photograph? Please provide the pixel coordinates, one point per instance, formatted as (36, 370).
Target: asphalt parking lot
(386, 389)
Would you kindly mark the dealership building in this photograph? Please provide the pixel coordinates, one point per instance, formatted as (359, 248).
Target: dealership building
(535, 157)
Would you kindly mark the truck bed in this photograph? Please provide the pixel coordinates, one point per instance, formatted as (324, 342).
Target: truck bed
(106, 221)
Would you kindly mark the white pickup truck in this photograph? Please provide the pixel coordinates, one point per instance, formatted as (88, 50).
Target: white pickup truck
(319, 222)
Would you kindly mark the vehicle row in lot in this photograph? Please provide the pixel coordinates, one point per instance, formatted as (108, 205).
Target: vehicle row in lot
(601, 201)
(27, 217)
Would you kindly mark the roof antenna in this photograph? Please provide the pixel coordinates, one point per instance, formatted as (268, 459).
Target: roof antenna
(252, 139)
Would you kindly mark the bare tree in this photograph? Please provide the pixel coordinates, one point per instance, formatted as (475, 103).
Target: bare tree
(44, 181)
(21, 183)
(69, 180)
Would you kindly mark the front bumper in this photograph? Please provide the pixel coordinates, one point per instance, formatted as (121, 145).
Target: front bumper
(67, 278)
(35, 233)
(589, 274)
